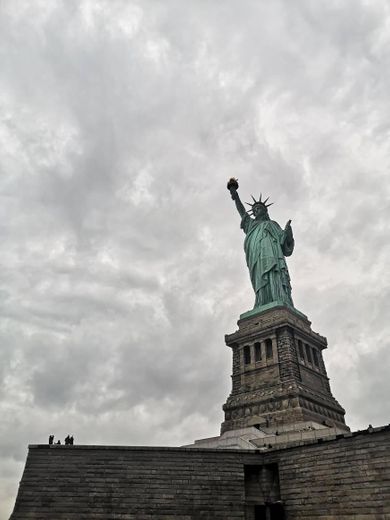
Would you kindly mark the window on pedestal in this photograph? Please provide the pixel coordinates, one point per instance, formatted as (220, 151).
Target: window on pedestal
(308, 353)
(247, 354)
(257, 352)
(315, 358)
(300, 350)
(268, 348)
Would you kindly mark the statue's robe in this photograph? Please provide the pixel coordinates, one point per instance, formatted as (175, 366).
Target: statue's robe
(266, 245)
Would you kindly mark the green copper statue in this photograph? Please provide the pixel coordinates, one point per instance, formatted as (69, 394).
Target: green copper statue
(266, 244)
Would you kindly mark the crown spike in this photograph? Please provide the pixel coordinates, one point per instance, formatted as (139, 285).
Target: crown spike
(268, 205)
(265, 200)
(260, 198)
(254, 200)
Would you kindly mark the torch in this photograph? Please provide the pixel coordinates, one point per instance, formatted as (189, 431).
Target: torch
(232, 186)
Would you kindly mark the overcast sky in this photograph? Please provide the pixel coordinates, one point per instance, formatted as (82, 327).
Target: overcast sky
(122, 263)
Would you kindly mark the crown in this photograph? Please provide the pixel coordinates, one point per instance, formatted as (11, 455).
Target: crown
(255, 202)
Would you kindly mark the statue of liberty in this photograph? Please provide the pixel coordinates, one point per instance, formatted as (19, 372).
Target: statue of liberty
(266, 244)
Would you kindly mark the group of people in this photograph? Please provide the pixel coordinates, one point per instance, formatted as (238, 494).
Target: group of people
(68, 440)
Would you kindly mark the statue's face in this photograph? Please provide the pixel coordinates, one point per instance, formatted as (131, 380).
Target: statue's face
(259, 210)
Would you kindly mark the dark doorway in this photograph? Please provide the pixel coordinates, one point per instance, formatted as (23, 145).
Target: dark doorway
(277, 511)
(269, 512)
(260, 513)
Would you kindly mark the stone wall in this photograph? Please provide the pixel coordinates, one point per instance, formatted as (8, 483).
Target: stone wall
(107, 483)
(344, 477)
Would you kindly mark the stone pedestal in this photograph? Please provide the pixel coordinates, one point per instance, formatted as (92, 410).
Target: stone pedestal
(279, 376)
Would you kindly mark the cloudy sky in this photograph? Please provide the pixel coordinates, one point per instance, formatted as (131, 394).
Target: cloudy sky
(122, 265)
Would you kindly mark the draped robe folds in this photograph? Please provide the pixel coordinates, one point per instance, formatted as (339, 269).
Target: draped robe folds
(266, 245)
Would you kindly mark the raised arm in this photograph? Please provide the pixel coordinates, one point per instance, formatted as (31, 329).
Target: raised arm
(232, 186)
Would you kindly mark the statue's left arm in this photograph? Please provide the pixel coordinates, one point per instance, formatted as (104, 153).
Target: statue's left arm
(287, 240)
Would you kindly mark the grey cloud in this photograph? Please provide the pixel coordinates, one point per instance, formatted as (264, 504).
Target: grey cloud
(122, 265)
